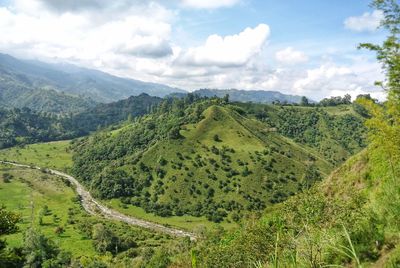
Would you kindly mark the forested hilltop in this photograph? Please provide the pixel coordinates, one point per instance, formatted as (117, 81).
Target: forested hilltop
(209, 157)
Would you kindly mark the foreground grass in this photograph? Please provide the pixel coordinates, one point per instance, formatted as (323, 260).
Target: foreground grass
(51, 155)
(27, 193)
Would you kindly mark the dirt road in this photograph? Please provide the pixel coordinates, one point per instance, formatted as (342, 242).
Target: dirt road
(94, 207)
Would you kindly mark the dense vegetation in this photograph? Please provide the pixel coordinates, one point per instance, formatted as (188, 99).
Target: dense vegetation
(112, 113)
(208, 157)
(336, 133)
(22, 126)
(42, 100)
(25, 126)
(205, 157)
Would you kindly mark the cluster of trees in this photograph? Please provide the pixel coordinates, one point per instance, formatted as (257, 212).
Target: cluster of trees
(335, 101)
(37, 250)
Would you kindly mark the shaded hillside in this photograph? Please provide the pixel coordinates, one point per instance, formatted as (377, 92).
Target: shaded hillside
(16, 94)
(24, 126)
(108, 114)
(198, 158)
(43, 100)
(335, 132)
(22, 76)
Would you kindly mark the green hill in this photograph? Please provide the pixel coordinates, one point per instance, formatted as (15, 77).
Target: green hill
(200, 157)
(347, 220)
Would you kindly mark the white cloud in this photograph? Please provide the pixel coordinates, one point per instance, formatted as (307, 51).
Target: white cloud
(290, 56)
(229, 51)
(331, 79)
(29, 27)
(209, 4)
(367, 22)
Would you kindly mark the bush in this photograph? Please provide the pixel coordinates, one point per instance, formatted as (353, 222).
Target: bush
(7, 177)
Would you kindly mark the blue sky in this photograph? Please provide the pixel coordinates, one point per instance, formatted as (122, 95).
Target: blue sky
(298, 47)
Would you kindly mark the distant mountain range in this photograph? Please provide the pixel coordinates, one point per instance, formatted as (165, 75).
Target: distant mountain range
(256, 96)
(65, 88)
(22, 77)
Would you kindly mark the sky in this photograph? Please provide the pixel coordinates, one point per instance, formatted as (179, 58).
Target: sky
(302, 47)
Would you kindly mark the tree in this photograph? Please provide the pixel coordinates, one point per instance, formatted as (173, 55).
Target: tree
(42, 252)
(216, 138)
(8, 221)
(103, 238)
(304, 101)
(226, 98)
(59, 230)
(384, 125)
(7, 177)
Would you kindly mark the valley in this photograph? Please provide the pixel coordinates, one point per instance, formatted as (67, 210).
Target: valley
(281, 150)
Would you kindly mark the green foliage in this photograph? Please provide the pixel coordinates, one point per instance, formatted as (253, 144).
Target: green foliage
(8, 221)
(42, 252)
(222, 162)
(335, 101)
(25, 126)
(335, 136)
(350, 218)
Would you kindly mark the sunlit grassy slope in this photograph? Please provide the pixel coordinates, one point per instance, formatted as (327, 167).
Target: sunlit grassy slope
(51, 154)
(28, 192)
(227, 159)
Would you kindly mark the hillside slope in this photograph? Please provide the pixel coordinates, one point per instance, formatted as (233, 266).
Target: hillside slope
(335, 132)
(349, 219)
(25, 126)
(219, 163)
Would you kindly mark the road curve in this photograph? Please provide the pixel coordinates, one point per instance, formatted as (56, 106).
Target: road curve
(94, 207)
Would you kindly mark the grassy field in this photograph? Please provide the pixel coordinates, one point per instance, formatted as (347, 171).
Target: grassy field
(27, 193)
(195, 224)
(51, 155)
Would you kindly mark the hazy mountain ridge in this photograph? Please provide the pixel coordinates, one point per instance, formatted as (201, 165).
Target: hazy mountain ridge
(97, 85)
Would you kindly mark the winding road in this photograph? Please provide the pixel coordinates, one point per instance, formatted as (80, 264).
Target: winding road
(93, 207)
